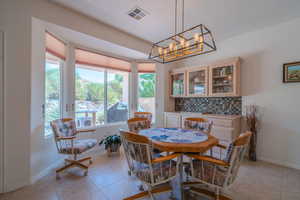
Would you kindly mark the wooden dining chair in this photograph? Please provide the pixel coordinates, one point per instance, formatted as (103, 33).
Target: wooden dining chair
(146, 166)
(65, 133)
(136, 124)
(200, 124)
(216, 173)
(147, 115)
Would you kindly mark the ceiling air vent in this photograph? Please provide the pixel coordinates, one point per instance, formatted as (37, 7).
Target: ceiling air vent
(137, 13)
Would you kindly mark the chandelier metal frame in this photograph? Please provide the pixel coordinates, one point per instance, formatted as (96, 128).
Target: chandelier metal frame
(195, 41)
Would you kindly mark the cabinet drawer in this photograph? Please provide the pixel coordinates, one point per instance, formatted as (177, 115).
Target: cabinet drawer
(222, 122)
(222, 133)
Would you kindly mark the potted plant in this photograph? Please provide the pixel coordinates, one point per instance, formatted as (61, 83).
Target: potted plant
(111, 143)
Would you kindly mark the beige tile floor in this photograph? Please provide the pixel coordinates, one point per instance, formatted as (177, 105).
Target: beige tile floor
(108, 180)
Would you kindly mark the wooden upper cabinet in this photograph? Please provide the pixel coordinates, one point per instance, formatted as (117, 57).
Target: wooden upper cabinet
(197, 82)
(178, 83)
(221, 79)
(225, 79)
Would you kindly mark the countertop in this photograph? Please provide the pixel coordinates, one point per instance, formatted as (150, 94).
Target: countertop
(219, 116)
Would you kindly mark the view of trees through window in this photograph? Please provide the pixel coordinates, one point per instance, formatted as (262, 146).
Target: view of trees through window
(146, 96)
(101, 96)
(52, 104)
(95, 106)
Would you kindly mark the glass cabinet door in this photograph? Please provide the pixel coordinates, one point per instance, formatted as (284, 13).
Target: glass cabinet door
(222, 79)
(197, 82)
(177, 81)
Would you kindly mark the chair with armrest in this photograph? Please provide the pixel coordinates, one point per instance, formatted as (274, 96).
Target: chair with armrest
(65, 133)
(219, 174)
(147, 115)
(136, 124)
(148, 168)
(200, 124)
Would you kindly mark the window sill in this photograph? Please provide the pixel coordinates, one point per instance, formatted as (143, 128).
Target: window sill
(104, 126)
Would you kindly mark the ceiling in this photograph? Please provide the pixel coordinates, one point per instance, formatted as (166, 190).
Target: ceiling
(102, 46)
(226, 18)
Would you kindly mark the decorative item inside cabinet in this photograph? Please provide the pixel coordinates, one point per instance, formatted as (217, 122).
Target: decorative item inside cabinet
(197, 82)
(178, 84)
(222, 79)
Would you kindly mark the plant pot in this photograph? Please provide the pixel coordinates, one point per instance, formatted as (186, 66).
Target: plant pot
(112, 149)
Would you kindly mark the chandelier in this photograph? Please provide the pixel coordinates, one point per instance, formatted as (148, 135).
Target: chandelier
(195, 41)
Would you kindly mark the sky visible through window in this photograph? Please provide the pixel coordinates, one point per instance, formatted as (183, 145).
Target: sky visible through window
(93, 76)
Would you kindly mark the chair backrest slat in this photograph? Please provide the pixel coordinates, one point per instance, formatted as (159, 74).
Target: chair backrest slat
(147, 115)
(200, 124)
(235, 154)
(136, 124)
(64, 127)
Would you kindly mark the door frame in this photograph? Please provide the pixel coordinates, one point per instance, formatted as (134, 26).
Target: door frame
(2, 37)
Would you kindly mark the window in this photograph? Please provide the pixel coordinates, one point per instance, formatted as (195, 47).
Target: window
(55, 57)
(146, 88)
(53, 101)
(101, 96)
(102, 86)
(89, 96)
(117, 96)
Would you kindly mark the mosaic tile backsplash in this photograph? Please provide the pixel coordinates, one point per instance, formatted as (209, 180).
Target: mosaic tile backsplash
(211, 105)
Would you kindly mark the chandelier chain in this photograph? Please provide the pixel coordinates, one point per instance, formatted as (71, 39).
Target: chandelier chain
(175, 17)
(182, 15)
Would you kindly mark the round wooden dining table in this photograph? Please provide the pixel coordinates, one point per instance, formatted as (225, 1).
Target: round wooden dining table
(180, 141)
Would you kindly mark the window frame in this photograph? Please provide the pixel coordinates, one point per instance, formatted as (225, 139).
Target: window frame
(61, 63)
(105, 71)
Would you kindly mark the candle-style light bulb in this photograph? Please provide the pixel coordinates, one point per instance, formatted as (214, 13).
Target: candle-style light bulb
(201, 39)
(160, 51)
(196, 37)
(171, 46)
(187, 44)
(201, 44)
(182, 42)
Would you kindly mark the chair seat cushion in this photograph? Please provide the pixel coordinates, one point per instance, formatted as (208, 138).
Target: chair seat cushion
(80, 146)
(161, 171)
(209, 172)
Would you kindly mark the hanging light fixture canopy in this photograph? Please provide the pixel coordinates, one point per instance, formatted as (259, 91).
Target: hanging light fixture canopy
(195, 41)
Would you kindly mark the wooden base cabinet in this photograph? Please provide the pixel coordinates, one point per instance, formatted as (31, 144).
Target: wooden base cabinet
(225, 127)
(172, 120)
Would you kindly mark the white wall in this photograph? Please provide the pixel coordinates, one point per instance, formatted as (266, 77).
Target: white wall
(1, 110)
(263, 52)
(17, 28)
(15, 21)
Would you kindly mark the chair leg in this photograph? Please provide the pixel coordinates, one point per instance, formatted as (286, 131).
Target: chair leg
(74, 163)
(217, 194)
(150, 193)
(214, 195)
(147, 193)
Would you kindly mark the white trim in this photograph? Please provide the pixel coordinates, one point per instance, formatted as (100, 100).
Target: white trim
(2, 113)
(280, 162)
(46, 171)
(59, 163)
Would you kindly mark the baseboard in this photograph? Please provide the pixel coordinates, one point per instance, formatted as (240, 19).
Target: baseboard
(279, 162)
(55, 165)
(46, 171)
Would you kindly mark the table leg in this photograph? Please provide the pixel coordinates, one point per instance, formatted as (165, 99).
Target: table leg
(181, 178)
(177, 192)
